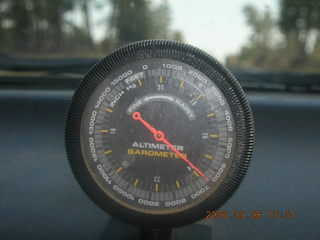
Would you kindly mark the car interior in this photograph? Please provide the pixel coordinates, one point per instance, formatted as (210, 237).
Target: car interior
(48, 49)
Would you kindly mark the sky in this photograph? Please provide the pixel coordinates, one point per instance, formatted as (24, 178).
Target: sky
(218, 27)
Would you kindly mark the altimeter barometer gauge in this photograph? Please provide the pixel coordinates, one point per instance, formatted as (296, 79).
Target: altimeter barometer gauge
(158, 132)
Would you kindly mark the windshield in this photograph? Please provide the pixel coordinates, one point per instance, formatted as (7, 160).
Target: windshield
(266, 36)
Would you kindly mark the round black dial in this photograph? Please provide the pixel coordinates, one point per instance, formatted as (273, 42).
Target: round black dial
(158, 132)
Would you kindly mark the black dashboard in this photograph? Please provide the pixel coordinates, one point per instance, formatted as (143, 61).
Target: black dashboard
(41, 199)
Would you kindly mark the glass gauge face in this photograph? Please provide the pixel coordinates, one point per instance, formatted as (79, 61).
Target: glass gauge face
(158, 133)
(158, 136)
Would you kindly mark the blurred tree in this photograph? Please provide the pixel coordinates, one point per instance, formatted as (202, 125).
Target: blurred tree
(161, 19)
(292, 43)
(261, 41)
(2, 30)
(131, 20)
(42, 27)
(87, 21)
(36, 25)
(54, 15)
(177, 36)
(161, 29)
(299, 19)
(262, 26)
(18, 12)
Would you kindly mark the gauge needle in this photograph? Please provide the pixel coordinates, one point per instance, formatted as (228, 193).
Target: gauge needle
(160, 137)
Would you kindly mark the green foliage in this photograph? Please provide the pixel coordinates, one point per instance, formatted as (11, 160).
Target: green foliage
(299, 15)
(43, 28)
(298, 20)
(35, 26)
(258, 50)
(283, 44)
(262, 24)
(134, 20)
(131, 20)
(161, 21)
